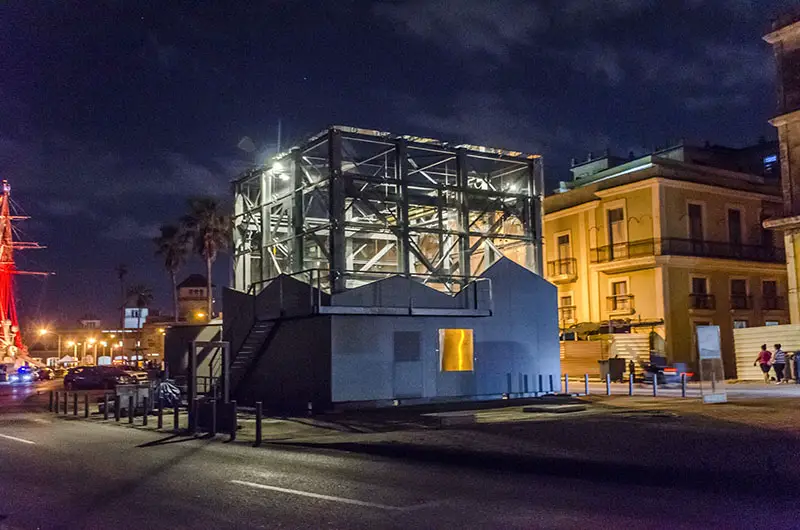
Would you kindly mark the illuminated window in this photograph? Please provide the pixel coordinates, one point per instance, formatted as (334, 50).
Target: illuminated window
(456, 350)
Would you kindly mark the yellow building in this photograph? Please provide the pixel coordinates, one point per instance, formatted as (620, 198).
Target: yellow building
(666, 242)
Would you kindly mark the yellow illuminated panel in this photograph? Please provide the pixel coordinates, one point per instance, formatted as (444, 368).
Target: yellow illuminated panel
(455, 346)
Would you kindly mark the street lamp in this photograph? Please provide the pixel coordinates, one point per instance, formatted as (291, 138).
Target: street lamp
(45, 331)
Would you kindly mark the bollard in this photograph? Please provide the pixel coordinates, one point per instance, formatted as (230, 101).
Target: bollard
(566, 384)
(683, 385)
(586, 384)
(86, 405)
(117, 408)
(160, 423)
(234, 420)
(50, 407)
(540, 389)
(630, 384)
(66, 396)
(552, 388)
(131, 409)
(258, 423)
(213, 417)
(608, 384)
(105, 405)
(193, 408)
(145, 410)
(75, 404)
(655, 384)
(57, 395)
(176, 417)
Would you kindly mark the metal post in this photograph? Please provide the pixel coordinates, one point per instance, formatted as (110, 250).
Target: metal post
(176, 417)
(117, 408)
(213, 403)
(655, 384)
(258, 423)
(525, 380)
(566, 384)
(86, 405)
(75, 404)
(336, 205)
(683, 385)
(56, 401)
(160, 423)
(586, 384)
(50, 407)
(608, 384)
(234, 419)
(66, 396)
(540, 389)
(193, 408)
(105, 405)
(131, 408)
(145, 411)
(630, 384)
(552, 388)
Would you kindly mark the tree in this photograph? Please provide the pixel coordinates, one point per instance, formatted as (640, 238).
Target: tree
(208, 229)
(173, 246)
(142, 297)
(122, 271)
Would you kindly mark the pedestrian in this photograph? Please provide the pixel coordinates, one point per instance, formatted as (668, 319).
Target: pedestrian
(763, 361)
(779, 362)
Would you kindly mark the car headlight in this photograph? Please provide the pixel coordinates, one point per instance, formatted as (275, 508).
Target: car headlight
(13, 378)
(27, 377)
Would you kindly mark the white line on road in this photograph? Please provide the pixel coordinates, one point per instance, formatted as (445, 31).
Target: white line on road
(330, 497)
(17, 439)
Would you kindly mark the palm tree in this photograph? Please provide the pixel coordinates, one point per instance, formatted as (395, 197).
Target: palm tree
(122, 271)
(173, 246)
(142, 297)
(208, 229)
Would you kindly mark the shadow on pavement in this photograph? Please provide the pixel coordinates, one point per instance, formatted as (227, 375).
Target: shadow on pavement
(651, 474)
(172, 439)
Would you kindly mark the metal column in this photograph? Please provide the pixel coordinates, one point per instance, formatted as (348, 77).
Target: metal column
(462, 170)
(336, 191)
(401, 174)
(298, 211)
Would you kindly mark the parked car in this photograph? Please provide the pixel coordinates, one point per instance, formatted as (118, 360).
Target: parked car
(96, 377)
(45, 374)
(59, 373)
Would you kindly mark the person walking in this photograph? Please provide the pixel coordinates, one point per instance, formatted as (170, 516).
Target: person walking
(763, 361)
(779, 362)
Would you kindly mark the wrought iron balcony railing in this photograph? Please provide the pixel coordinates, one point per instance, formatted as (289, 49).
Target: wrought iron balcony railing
(741, 301)
(621, 304)
(562, 270)
(566, 314)
(773, 303)
(686, 247)
(702, 301)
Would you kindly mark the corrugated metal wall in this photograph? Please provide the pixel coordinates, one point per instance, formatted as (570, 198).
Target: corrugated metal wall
(748, 341)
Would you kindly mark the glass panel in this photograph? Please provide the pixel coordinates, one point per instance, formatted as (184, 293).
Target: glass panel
(695, 222)
(739, 287)
(699, 286)
(735, 227)
(619, 288)
(456, 347)
(769, 289)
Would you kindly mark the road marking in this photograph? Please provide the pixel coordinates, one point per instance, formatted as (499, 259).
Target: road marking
(330, 497)
(17, 439)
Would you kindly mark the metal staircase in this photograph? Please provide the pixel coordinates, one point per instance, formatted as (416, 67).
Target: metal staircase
(251, 348)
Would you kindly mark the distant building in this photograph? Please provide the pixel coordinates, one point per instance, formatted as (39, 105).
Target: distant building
(193, 298)
(90, 322)
(135, 317)
(663, 243)
(785, 40)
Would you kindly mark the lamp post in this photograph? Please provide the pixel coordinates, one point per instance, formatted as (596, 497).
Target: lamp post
(45, 331)
(93, 343)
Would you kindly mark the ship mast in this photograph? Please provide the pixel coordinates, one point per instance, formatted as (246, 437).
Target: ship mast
(11, 345)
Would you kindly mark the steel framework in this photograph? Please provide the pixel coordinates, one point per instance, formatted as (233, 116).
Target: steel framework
(359, 205)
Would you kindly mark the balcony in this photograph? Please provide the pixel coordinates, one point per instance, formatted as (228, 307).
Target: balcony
(562, 270)
(686, 247)
(702, 301)
(621, 304)
(773, 303)
(741, 302)
(566, 314)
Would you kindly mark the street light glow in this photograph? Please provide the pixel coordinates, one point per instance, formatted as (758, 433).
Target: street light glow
(70, 343)
(43, 331)
(92, 340)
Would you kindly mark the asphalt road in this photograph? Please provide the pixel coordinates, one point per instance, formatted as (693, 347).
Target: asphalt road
(58, 472)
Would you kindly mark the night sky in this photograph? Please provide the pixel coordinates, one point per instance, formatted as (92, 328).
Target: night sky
(112, 116)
